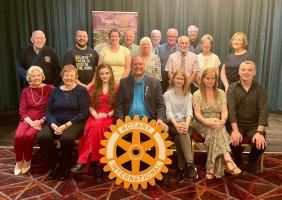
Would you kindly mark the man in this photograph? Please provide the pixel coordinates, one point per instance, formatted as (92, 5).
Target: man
(129, 38)
(156, 37)
(141, 95)
(248, 113)
(40, 55)
(183, 59)
(164, 51)
(195, 46)
(84, 58)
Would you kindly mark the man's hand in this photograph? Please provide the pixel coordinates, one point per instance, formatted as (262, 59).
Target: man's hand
(236, 138)
(260, 141)
(162, 124)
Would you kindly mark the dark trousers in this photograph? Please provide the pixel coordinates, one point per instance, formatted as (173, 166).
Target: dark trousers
(237, 151)
(46, 137)
(182, 144)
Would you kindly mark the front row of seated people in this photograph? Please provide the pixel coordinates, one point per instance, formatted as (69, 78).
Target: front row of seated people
(140, 94)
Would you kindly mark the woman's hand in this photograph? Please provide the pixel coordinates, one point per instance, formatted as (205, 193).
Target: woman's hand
(101, 116)
(181, 127)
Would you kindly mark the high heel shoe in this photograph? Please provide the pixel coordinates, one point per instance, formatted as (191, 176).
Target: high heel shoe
(79, 168)
(18, 168)
(234, 170)
(209, 175)
(26, 166)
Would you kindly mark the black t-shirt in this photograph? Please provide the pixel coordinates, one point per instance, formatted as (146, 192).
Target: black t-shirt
(47, 60)
(232, 63)
(84, 60)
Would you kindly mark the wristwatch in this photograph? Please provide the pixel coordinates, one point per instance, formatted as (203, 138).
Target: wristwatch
(261, 132)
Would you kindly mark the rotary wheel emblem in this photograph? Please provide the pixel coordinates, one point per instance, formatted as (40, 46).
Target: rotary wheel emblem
(136, 152)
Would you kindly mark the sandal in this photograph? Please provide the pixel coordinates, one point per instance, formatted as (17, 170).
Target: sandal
(235, 170)
(209, 175)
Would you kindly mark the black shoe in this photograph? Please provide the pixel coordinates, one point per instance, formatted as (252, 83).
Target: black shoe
(79, 168)
(252, 168)
(192, 171)
(53, 173)
(63, 174)
(179, 176)
(99, 174)
(165, 180)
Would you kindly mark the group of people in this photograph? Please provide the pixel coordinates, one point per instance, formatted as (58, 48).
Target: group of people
(175, 83)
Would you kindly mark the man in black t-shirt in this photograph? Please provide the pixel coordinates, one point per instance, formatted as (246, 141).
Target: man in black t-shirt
(84, 58)
(40, 55)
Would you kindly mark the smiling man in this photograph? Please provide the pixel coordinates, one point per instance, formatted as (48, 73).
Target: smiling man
(40, 55)
(84, 58)
(140, 95)
(248, 113)
(183, 59)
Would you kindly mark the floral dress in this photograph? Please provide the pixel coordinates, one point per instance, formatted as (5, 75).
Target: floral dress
(216, 141)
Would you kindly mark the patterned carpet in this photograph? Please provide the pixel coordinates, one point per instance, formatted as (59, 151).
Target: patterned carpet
(34, 185)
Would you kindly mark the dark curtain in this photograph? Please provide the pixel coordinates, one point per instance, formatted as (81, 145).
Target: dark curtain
(261, 20)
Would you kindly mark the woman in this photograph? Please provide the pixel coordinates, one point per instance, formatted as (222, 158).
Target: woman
(66, 113)
(102, 97)
(116, 56)
(178, 101)
(211, 114)
(230, 68)
(152, 62)
(32, 109)
(206, 58)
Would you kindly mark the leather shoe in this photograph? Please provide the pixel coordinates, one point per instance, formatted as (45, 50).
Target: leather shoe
(52, 174)
(79, 168)
(63, 175)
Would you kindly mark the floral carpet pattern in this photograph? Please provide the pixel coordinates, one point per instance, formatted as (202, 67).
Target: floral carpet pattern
(35, 185)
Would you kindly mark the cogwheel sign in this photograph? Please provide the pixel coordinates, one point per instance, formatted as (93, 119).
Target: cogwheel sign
(136, 152)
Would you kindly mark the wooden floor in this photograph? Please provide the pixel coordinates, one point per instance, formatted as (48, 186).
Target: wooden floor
(9, 120)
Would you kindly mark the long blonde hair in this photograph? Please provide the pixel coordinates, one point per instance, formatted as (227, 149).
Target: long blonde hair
(203, 87)
(186, 86)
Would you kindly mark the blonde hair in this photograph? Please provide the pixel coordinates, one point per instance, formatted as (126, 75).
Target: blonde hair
(68, 68)
(31, 69)
(186, 86)
(244, 37)
(207, 37)
(203, 87)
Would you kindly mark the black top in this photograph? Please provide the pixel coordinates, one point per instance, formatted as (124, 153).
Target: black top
(47, 59)
(247, 108)
(84, 60)
(232, 63)
(64, 106)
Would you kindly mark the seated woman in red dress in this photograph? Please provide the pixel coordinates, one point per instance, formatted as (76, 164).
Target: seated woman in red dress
(102, 99)
(32, 110)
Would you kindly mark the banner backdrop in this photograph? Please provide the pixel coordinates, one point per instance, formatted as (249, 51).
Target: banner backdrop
(104, 21)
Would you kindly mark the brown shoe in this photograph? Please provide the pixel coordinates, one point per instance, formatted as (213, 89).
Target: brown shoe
(234, 170)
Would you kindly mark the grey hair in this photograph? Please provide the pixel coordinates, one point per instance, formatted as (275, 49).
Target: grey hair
(31, 69)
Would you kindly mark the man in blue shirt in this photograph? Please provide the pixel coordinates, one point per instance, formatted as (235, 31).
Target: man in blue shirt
(141, 95)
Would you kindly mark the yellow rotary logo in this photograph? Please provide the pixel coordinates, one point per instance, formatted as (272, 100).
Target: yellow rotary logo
(136, 152)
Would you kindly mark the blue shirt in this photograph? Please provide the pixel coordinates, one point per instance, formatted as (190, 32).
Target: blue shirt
(138, 105)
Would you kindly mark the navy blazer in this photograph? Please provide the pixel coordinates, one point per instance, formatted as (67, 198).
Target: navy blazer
(154, 101)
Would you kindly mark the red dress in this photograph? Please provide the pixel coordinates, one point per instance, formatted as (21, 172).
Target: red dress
(89, 143)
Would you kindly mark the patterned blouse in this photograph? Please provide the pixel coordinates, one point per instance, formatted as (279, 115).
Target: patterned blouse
(153, 68)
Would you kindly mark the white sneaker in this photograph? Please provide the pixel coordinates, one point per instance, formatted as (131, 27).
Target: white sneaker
(25, 166)
(18, 169)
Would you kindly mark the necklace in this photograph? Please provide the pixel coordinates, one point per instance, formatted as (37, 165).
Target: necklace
(40, 96)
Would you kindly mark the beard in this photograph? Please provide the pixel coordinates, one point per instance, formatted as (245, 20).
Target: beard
(81, 45)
